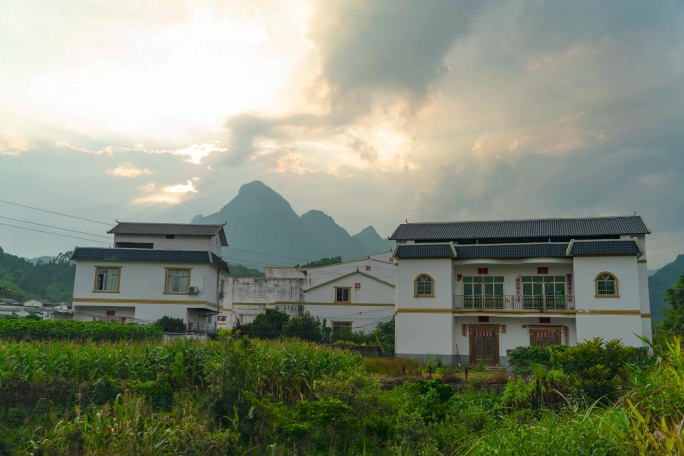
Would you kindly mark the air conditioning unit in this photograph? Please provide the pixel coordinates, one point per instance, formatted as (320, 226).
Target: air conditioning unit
(193, 290)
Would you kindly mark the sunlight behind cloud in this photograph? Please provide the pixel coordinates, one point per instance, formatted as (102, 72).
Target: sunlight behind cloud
(128, 170)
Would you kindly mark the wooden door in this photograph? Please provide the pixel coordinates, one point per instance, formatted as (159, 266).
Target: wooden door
(545, 336)
(484, 345)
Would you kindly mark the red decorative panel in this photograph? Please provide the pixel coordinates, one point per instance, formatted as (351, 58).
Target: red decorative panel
(464, 330)
(459, 277)
(391, 260)
(566, 335)
(357, 286)
(544, 319)
(503, 329)
(542, 270)
(483, 319)
(368, 268)
(518, 284)
(122, 319)
(110, 313)
(483, 271)
(568, 283)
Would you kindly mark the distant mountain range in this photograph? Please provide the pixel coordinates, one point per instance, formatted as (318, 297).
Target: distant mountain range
(263, 230)
(658, 284)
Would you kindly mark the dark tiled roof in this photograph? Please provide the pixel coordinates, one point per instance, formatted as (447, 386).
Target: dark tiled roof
(424, 251)
(149, 256)
(622, 247)
(564, 227)
(464, 252)
(180, 229)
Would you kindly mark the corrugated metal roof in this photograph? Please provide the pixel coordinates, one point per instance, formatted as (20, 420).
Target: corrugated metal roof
(149, 256)
(561, 227)
(621, 247)
(465, 252)
(424, 251)
(180, 229)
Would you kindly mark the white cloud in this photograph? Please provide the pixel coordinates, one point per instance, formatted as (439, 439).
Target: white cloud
(12, 143)
(128, 170)
(193, 153)
(180, 188)
(197, 152)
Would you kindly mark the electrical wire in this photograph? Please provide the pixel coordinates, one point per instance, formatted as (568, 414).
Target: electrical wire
(110, 224)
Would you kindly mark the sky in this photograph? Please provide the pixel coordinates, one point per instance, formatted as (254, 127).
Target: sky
(375, 112)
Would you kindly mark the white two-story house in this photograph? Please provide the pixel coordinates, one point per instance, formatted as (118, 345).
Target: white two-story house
(354, 295)
(469, 291)
(154, 270)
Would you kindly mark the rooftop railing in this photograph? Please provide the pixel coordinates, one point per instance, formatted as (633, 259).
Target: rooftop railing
(509, 302)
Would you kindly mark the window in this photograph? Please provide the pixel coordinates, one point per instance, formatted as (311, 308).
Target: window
(543, 292)
(177, 281)
(423, 286)
(342, 294)
(170, 236)
(107, 279)
(606, 285)
(134, 245)
(341, 326)
(483, 292)
(545, 336)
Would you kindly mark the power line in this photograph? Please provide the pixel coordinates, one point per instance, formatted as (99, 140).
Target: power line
(53, 212)
(110, 224)
(56, 227)
(55, 234)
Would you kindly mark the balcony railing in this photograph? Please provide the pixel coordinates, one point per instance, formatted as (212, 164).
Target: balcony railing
(507, 302)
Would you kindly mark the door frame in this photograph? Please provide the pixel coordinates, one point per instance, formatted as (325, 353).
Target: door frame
(495, 334)
(557, 330)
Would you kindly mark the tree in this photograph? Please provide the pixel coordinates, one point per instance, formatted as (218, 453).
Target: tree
(305, 326)
(674, 316)
(169, 324)
(322, 262)
(268, 325)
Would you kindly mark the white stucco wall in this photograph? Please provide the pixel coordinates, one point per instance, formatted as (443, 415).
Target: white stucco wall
(141, 291)
(370, 290)
(608, 327)
(425, 325)
(377, 268)
(212, 243)
(624, 268)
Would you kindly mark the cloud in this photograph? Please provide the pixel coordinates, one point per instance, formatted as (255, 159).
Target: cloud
(189, 187)
(193, 153)
(128, 170)
(376, 61)
(12, 143)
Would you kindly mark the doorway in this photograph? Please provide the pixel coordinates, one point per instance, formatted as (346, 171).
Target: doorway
(484, 345)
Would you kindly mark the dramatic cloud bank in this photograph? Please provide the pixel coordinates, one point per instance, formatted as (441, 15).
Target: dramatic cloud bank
(374, 112)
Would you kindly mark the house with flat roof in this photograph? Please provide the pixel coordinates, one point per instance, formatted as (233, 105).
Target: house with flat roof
(469, 291)
(354, 295)
(154, 270)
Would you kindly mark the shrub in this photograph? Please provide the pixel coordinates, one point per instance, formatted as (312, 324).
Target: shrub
(173, 325)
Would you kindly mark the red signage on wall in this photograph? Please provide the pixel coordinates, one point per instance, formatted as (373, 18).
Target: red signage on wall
(110, 313)
(542, 270)
(568, 281)
(357, 286)
(483, 271)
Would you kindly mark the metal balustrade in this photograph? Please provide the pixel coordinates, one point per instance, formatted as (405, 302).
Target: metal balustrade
(511, 302)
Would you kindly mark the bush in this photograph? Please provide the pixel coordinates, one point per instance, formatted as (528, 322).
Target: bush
(172, 325)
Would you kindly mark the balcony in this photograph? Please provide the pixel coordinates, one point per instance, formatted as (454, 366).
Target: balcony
(507, 302)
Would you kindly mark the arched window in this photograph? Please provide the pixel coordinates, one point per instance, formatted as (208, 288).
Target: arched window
(424, 286)
(606, 285)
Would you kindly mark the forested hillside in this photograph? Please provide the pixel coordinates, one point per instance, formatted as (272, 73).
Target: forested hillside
(53, 281)
(658, 284)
